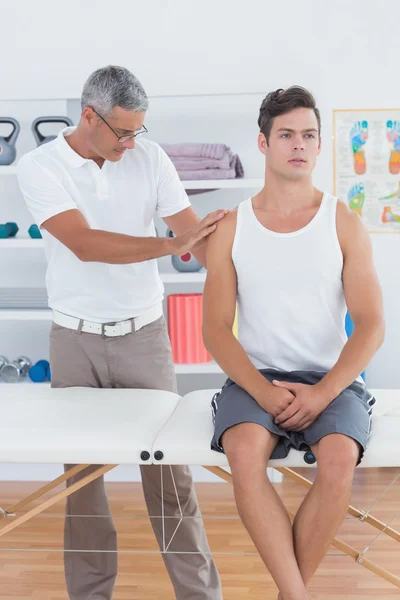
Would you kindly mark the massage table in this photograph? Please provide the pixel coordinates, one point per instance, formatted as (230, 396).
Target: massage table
(108, 427)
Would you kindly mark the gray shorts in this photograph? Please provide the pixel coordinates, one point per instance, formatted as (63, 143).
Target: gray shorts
(349, 414)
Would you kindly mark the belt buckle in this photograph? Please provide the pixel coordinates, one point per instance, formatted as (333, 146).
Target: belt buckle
(103, 325)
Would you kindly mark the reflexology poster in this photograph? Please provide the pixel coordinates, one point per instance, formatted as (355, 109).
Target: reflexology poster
(367, 165)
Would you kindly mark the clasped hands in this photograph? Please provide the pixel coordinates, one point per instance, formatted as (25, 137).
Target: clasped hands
(295, 406)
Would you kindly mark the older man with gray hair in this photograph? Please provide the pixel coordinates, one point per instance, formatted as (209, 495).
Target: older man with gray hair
(94, 192)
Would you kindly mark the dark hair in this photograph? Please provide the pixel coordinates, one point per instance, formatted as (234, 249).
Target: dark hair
(281, 102)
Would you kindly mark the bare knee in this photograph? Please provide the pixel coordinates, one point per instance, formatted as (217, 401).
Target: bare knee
(337, 456)
(248, 447)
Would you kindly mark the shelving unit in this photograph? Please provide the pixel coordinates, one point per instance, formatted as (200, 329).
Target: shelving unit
(201, 184)
(209, 368)
(21, 242)
(46, 316)
(167, 278)
(199, 369)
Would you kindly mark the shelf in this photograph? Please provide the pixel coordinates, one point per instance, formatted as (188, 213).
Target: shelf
(223, 184)
(201, 368)
(26, 381)
(21, 242)
(210, 368)
(183, 277)
(8, 169)
(200, 184)
(198, 277)
(21, 314)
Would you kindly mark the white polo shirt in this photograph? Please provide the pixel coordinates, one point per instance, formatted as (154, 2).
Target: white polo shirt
(122, 197)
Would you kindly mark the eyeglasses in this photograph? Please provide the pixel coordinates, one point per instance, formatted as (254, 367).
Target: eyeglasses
(122, 138)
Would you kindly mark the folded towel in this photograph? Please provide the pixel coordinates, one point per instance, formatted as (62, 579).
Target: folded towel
(185, 163)
(223, 165)
(208, 174)
(235, 170)
(196, 150)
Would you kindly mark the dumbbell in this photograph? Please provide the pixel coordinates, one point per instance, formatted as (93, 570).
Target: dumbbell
(3, 361)
(40, 371)
(11, 372)
(8, 230)
(34, 232)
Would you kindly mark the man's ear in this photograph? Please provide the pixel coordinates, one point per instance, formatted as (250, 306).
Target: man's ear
(262, 143)
(87, 115)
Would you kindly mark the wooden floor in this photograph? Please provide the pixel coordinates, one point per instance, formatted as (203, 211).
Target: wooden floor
(38, 574)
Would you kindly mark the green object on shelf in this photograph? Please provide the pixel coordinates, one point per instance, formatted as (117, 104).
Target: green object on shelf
(8, 230)
(34, 232)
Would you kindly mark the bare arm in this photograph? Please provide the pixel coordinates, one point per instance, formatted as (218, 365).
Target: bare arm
(93, 245)
(218, 317)
(364, 302)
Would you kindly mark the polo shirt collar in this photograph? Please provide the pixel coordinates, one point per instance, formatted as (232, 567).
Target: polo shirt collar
(73, 159)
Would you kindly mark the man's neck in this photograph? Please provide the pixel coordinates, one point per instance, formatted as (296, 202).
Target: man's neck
(285, 195)
(78, 143)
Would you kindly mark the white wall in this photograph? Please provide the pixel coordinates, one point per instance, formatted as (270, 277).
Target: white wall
(342, 49)
(346, 53)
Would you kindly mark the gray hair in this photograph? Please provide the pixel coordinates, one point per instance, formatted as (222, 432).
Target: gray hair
(113, 86)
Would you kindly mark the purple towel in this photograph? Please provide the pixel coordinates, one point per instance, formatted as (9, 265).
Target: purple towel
(204, 161)
(235, 170)
(183, 163)
(189, 150)
(208, 174)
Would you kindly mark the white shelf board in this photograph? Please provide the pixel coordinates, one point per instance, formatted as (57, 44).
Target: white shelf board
(201, 368)
(21, 242)
(8, 169)
(21, 314)
(209, 367)
(183, 277)
(201, 184)
(26, 381)
(223, 184)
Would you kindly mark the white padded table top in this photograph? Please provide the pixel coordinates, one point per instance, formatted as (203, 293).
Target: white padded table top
(113, 426)
(188, 433)
(80, 425)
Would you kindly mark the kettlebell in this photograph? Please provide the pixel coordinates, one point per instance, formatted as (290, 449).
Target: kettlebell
(186, 263)
(39, 137)
(8, 151)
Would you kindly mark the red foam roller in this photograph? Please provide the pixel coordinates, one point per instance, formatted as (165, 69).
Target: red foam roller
(185, 315)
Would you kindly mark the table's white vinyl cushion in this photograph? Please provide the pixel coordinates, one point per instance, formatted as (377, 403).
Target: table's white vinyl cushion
(39, 424)
(186, 436)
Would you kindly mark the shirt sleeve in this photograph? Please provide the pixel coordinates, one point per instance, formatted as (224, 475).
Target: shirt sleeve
(44, 195)
(171, 194)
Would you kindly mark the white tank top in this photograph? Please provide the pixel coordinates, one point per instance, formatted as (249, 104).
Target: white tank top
(291, 306)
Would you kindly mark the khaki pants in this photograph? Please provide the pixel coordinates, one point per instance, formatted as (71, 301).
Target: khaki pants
(138, 360)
